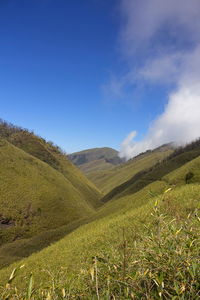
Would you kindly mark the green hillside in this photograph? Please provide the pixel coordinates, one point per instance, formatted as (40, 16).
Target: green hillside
(108, 179)
(34, 196)
(53, 156)
(178, 158)
(97, 159)
(131, 249)
(43, 195)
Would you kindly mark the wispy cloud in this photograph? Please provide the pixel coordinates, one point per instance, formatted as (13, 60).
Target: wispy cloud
(161, 43)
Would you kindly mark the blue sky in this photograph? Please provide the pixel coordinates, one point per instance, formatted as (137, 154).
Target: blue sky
(65, 71)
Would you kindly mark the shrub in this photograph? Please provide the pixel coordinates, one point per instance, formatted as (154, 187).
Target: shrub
(188, 177)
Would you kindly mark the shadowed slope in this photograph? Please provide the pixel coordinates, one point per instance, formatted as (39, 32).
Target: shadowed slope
(109, 179)
(178, 158)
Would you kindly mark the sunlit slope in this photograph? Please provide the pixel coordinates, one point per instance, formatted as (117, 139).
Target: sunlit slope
(172, 180)
(96, 159)
(34, 196)
(177, 159)
(109, 179)
(132, 212)
(54, 157)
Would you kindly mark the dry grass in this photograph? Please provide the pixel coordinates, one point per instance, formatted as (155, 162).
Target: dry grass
(150, 252)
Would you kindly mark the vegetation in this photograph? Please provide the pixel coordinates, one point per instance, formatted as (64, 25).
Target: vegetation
(53, 156)
(141, 244)
(154, 226)
(40, 202)
(174, 161)
(97, 159)
(158, 260)
(107, 180)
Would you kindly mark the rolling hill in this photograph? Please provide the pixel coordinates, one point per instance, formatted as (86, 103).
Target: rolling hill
(96, 159)
(107, 180)
(53, 156)
(42, 193)
(146, 176)
(132, 246)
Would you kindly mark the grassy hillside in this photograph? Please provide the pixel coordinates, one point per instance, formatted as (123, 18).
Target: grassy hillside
(34, 196)
(92, 160)
(142, 245)
(178, 158)
(43, 195)
(53, 156)
(109, 179)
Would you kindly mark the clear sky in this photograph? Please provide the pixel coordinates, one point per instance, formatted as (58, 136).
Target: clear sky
(82, 73)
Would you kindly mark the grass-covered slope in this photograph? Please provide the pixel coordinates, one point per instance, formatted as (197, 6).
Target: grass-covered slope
(43, 196)
(92, 160)
(142, 245)
(53, 156)
(109, 179)
(34, 197)
(174, 161)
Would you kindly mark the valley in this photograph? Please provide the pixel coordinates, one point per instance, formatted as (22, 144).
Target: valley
(55, 220)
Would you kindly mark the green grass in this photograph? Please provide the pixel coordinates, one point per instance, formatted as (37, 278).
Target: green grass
(141, 244)
(55, 158)
(43, 195)
(96, 159)
(102, 238)
(20, 248)
(34, 193)
(135, 254)
(156, 172)
(109, 179)
(95, 166)
(35, 197)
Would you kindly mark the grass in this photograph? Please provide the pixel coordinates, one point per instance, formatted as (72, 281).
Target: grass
(35, 198)
(108, 179)
(93, 160)
(34, 193)
(151, 252)
(54, 157)
(156, 172)
(43, 195)
(110, 211)
(20, 248)
(104, 226)
(141, 244)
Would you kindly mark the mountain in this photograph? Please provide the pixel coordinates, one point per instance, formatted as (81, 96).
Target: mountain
(106, 180)
(131, 247)
(41, 191)
(96, 159)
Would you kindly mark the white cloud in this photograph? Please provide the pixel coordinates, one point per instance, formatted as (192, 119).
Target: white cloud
(144, 19)
(164, 36)
(180, 123)
(163, 69)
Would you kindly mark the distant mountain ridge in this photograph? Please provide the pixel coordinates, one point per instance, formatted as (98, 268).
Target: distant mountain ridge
(94, 159)
(106, 169)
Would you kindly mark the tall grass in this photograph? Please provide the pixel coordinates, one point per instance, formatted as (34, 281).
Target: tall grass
(160, 261)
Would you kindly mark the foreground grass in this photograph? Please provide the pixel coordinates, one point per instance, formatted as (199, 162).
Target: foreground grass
(149, 252)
